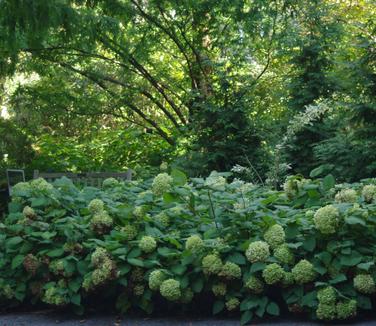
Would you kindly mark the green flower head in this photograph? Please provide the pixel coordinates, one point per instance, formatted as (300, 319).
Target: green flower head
(147, 244)
(288, 279)
(257, 251)
(369, 193)
(110, 183)
(346, 310)
(163, 219)
(211, 264)
(96, 206)
(129, 231)
(162, 183)
(219, 289)
(53, 296)
(364, 283)
(326, 219)
(231, 271)
(284, 255)
(326, 311)
(273, 273)
(101, 275)
(31, 263)
(303, 272)
(232, 304)
(138, 290)
(99, 256)
(139, 212)
(101, 222)
(195, 244)
(346, 196)
(170, 289)
(41, 185)
(21, 189)
(255, 285)
(28, 212)
(327, 296)
(275, 236)
(155, 279)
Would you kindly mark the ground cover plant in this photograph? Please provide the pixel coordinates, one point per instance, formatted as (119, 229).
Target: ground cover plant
(249, 250)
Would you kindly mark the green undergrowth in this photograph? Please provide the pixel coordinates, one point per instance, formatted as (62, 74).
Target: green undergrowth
(249, 250)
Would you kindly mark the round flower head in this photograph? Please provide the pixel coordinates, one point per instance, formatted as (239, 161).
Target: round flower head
(129, 231)
(346, 310)
(155, 279)
(170, 289)
(275, 236)
(28, 212)
(364, 283)
(21, 189)
(194, 243)
(327, 296)
(230, 271)
(346, 196)
(257, 251)
(326, 311)
(96, 206)
(99, 256)
(110, 183)
(31, 264)
(326, 219)
(163, 219)
(290, 187)
(273, 273)
(211, 264)
(219, 289)
(163, 166)
(41, 185)
(147, 244)
(303, 272)
(52, 296)
(162, 183)
(101, 222)
(138, 290)
(232, 304)
(57, 267)
(137, 275)
(369, 193)
(101, 275)
(187, 296)
(139, 212)
(215, 181)
(255, 285)
(284, 255)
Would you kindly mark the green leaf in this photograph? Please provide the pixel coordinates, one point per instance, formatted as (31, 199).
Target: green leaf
(237, 258)
(198, 285)
(272, 309)
(58, 252)
(218, 306)
(316, 172)
(11, 242)
(135, 262)
(169, 198)
(351, 260)
(309, 299)
(338, 279)
(180, 179)
(76, 299)
(17, 261)
(257, 267)
(366, 266)
(246, 317)
(353, 220)
(328, 182)
(310, 243)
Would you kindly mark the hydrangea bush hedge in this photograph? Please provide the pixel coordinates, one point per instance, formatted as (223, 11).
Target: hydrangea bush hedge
(247, 249)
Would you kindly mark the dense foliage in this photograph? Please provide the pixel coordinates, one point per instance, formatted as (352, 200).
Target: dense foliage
(205, 85)
(242, 248)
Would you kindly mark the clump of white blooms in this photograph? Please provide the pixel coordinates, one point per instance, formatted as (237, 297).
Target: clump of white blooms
(28, 212)
(195, 244)
(139, 212)
(163, 166)
(41, 185)
(346, 310)
(292, 186)
(326, 219)
(212, 264)
(110, 183)
(303, 272)
(275, 236)
(257, 251)
(241, 204)
(364, 283)
(147, 244)
(219, 289)
(231, 271)
(101, 222)
(369, 193)
(96, 206)
(255, 285)
(232, 304)
(273, 273)
(163, 218)
(215, 181)
(346, 196)
(170, 289)
(284, 255)
(162, 183)
(155, 279)
(20, 189)
(129, 231)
